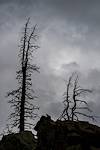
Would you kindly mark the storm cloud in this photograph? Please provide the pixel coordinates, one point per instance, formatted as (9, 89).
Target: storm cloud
(69, 40)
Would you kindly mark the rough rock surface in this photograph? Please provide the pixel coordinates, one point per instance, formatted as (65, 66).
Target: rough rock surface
(18, 141)
(55, 135)
(67, 135)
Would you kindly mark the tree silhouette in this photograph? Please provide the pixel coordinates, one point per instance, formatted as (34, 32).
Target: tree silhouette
(74, 103)
(66, 112)
(23, 96)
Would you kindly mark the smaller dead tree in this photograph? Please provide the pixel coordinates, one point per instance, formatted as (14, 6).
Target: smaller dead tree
(75, 102)
(67, 100)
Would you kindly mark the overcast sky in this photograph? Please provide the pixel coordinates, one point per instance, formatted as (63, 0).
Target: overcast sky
(69, 40)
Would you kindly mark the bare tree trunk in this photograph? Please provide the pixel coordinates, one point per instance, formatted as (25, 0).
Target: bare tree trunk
(22, 109)
(74, 98)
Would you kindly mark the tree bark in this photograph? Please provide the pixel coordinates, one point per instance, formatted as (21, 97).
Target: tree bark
(22, 110)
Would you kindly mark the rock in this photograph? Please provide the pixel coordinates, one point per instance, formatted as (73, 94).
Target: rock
(67, 135)
(55, 135)
(19, 141)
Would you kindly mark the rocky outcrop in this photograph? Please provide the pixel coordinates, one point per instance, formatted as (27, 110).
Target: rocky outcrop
(18, 141)
(67, 135)
(55, 135)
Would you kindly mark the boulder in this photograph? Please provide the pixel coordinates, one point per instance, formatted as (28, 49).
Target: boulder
(19, 141)
(67, 135)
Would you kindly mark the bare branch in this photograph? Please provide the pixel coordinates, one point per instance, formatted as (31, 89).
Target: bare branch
(73, 103)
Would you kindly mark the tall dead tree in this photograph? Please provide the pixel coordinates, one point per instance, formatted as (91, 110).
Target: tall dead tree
(23, 96)
(74, 102)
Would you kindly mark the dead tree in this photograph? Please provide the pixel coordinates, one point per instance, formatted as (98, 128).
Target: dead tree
(67, 100)
(74, 101)
(22, 98)
(79, 104)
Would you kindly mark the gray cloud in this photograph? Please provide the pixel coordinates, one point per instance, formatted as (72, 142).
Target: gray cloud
(69, 41)
(70, 66)
(54, 109)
